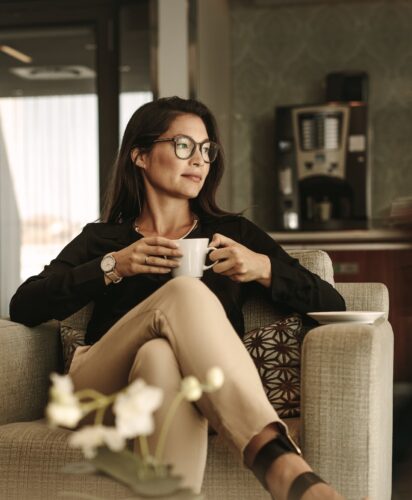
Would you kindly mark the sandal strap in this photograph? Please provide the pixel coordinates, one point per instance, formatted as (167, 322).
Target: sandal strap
(302, 483)
(269, 453)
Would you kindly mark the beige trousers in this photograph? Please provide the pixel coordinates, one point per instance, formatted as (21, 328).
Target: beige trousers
(180, 330)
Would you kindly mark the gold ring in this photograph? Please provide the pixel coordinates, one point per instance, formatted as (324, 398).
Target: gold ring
(145, 260)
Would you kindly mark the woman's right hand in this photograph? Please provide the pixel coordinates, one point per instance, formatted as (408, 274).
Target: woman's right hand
(147, 256)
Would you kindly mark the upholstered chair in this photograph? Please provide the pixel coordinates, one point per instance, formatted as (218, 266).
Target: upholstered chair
(344, 427)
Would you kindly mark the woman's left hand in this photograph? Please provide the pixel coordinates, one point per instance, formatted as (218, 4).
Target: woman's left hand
(239, 263)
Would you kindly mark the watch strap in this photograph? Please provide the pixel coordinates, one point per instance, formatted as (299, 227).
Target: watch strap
(113, 276)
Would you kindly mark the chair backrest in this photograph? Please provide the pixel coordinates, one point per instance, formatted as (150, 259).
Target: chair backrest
(259, 311)
(317, 261)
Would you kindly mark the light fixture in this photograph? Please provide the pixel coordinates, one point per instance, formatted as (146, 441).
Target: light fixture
(15, 53)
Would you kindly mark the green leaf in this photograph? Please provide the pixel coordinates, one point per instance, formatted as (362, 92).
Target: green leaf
(157, 487)
(147, 480)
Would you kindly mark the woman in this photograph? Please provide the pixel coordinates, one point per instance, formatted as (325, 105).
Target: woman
(147, 325)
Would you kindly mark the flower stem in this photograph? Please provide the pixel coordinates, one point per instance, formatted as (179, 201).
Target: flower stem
(166, 424)
(98, 418)
(101, 403)
(144, 448)
(88, 393)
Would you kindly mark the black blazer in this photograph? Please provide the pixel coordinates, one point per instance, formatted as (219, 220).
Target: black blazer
(74, 279)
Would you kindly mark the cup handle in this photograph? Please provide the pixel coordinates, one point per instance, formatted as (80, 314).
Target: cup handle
(205, 267)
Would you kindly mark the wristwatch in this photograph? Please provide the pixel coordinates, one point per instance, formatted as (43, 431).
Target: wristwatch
(108, 265)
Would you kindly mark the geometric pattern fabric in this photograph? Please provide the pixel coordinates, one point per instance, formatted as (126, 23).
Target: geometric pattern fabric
(275, 350)
(71, 338)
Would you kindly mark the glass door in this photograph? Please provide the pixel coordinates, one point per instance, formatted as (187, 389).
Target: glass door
(49, 169)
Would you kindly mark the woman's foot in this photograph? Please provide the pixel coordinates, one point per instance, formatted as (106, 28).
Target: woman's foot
(279, 474)
(285, 469)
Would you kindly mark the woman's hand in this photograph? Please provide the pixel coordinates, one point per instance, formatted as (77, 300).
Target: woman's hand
(147, 256)
(238, 262)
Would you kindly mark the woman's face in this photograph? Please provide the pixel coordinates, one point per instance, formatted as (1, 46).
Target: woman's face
(169, 175)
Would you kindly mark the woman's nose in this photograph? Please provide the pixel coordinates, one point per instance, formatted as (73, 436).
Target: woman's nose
(197, 157)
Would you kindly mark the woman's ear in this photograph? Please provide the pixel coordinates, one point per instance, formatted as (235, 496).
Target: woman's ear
(137, 158)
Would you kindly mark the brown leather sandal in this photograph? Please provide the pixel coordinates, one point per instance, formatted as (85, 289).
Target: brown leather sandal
(273, 450)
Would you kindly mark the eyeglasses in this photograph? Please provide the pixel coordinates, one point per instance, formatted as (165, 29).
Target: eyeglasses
(185, 147)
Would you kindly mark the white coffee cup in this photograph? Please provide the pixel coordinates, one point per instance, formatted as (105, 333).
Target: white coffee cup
(192, 263)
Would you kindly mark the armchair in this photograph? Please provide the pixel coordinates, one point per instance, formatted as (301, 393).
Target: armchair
(345, 428)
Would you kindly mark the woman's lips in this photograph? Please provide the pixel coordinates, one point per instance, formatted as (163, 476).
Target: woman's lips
(194, 178)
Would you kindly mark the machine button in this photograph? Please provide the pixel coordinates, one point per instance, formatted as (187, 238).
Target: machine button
(308, 165)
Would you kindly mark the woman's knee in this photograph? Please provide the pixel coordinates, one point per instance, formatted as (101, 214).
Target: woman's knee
(189, 290)
(156, 363)
(155, 351)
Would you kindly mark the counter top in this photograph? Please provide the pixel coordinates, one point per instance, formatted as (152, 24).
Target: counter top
(377, 238)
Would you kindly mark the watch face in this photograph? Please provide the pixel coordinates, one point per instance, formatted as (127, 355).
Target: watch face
(108, 263)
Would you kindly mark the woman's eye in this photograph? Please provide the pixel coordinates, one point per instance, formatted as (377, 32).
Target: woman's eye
(182, 145)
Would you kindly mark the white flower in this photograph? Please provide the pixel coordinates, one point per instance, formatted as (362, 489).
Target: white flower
(215, 378)
(62, 386)
(64, 408)
(65, 415)
(191, 388)
(134, 407)
(91, 437)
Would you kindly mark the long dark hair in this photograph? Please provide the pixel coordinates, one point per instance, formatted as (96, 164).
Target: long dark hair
(125, 195)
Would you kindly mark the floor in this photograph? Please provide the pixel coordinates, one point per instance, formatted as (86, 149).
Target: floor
(402, 442)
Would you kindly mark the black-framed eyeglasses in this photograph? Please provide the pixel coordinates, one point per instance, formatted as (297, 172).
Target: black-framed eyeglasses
(185, 147)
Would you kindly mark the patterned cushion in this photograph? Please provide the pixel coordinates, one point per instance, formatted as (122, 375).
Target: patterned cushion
(73, 331)
(71, 338)
(276, 349)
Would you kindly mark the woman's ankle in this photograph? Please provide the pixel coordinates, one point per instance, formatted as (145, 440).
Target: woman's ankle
(268, 433)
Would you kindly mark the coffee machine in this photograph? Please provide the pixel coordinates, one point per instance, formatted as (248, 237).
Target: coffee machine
(321, 164)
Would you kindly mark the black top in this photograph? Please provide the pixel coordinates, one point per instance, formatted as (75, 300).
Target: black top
(74, 279)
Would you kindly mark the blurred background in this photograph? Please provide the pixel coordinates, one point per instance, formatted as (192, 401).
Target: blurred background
(314, 103)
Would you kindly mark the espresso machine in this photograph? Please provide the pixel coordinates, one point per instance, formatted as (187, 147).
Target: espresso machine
(322, 166)
(321, 163)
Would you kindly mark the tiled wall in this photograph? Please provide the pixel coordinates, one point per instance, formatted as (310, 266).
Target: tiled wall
(281, 54)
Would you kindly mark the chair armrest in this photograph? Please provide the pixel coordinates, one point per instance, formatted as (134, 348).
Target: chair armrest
(27, 356)
(365, 296)
(347, 382)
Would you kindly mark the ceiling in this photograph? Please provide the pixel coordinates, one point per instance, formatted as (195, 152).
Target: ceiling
(64, 57)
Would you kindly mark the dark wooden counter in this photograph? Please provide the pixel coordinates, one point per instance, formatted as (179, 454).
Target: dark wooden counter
(377, 255)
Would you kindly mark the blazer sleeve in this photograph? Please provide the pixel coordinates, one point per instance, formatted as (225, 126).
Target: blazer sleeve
(292, 285)
(67, 284)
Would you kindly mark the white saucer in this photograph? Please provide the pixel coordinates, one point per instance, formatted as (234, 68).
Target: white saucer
(367, 317)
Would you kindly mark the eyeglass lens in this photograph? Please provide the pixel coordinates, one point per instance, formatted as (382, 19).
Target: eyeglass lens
(185, 148)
